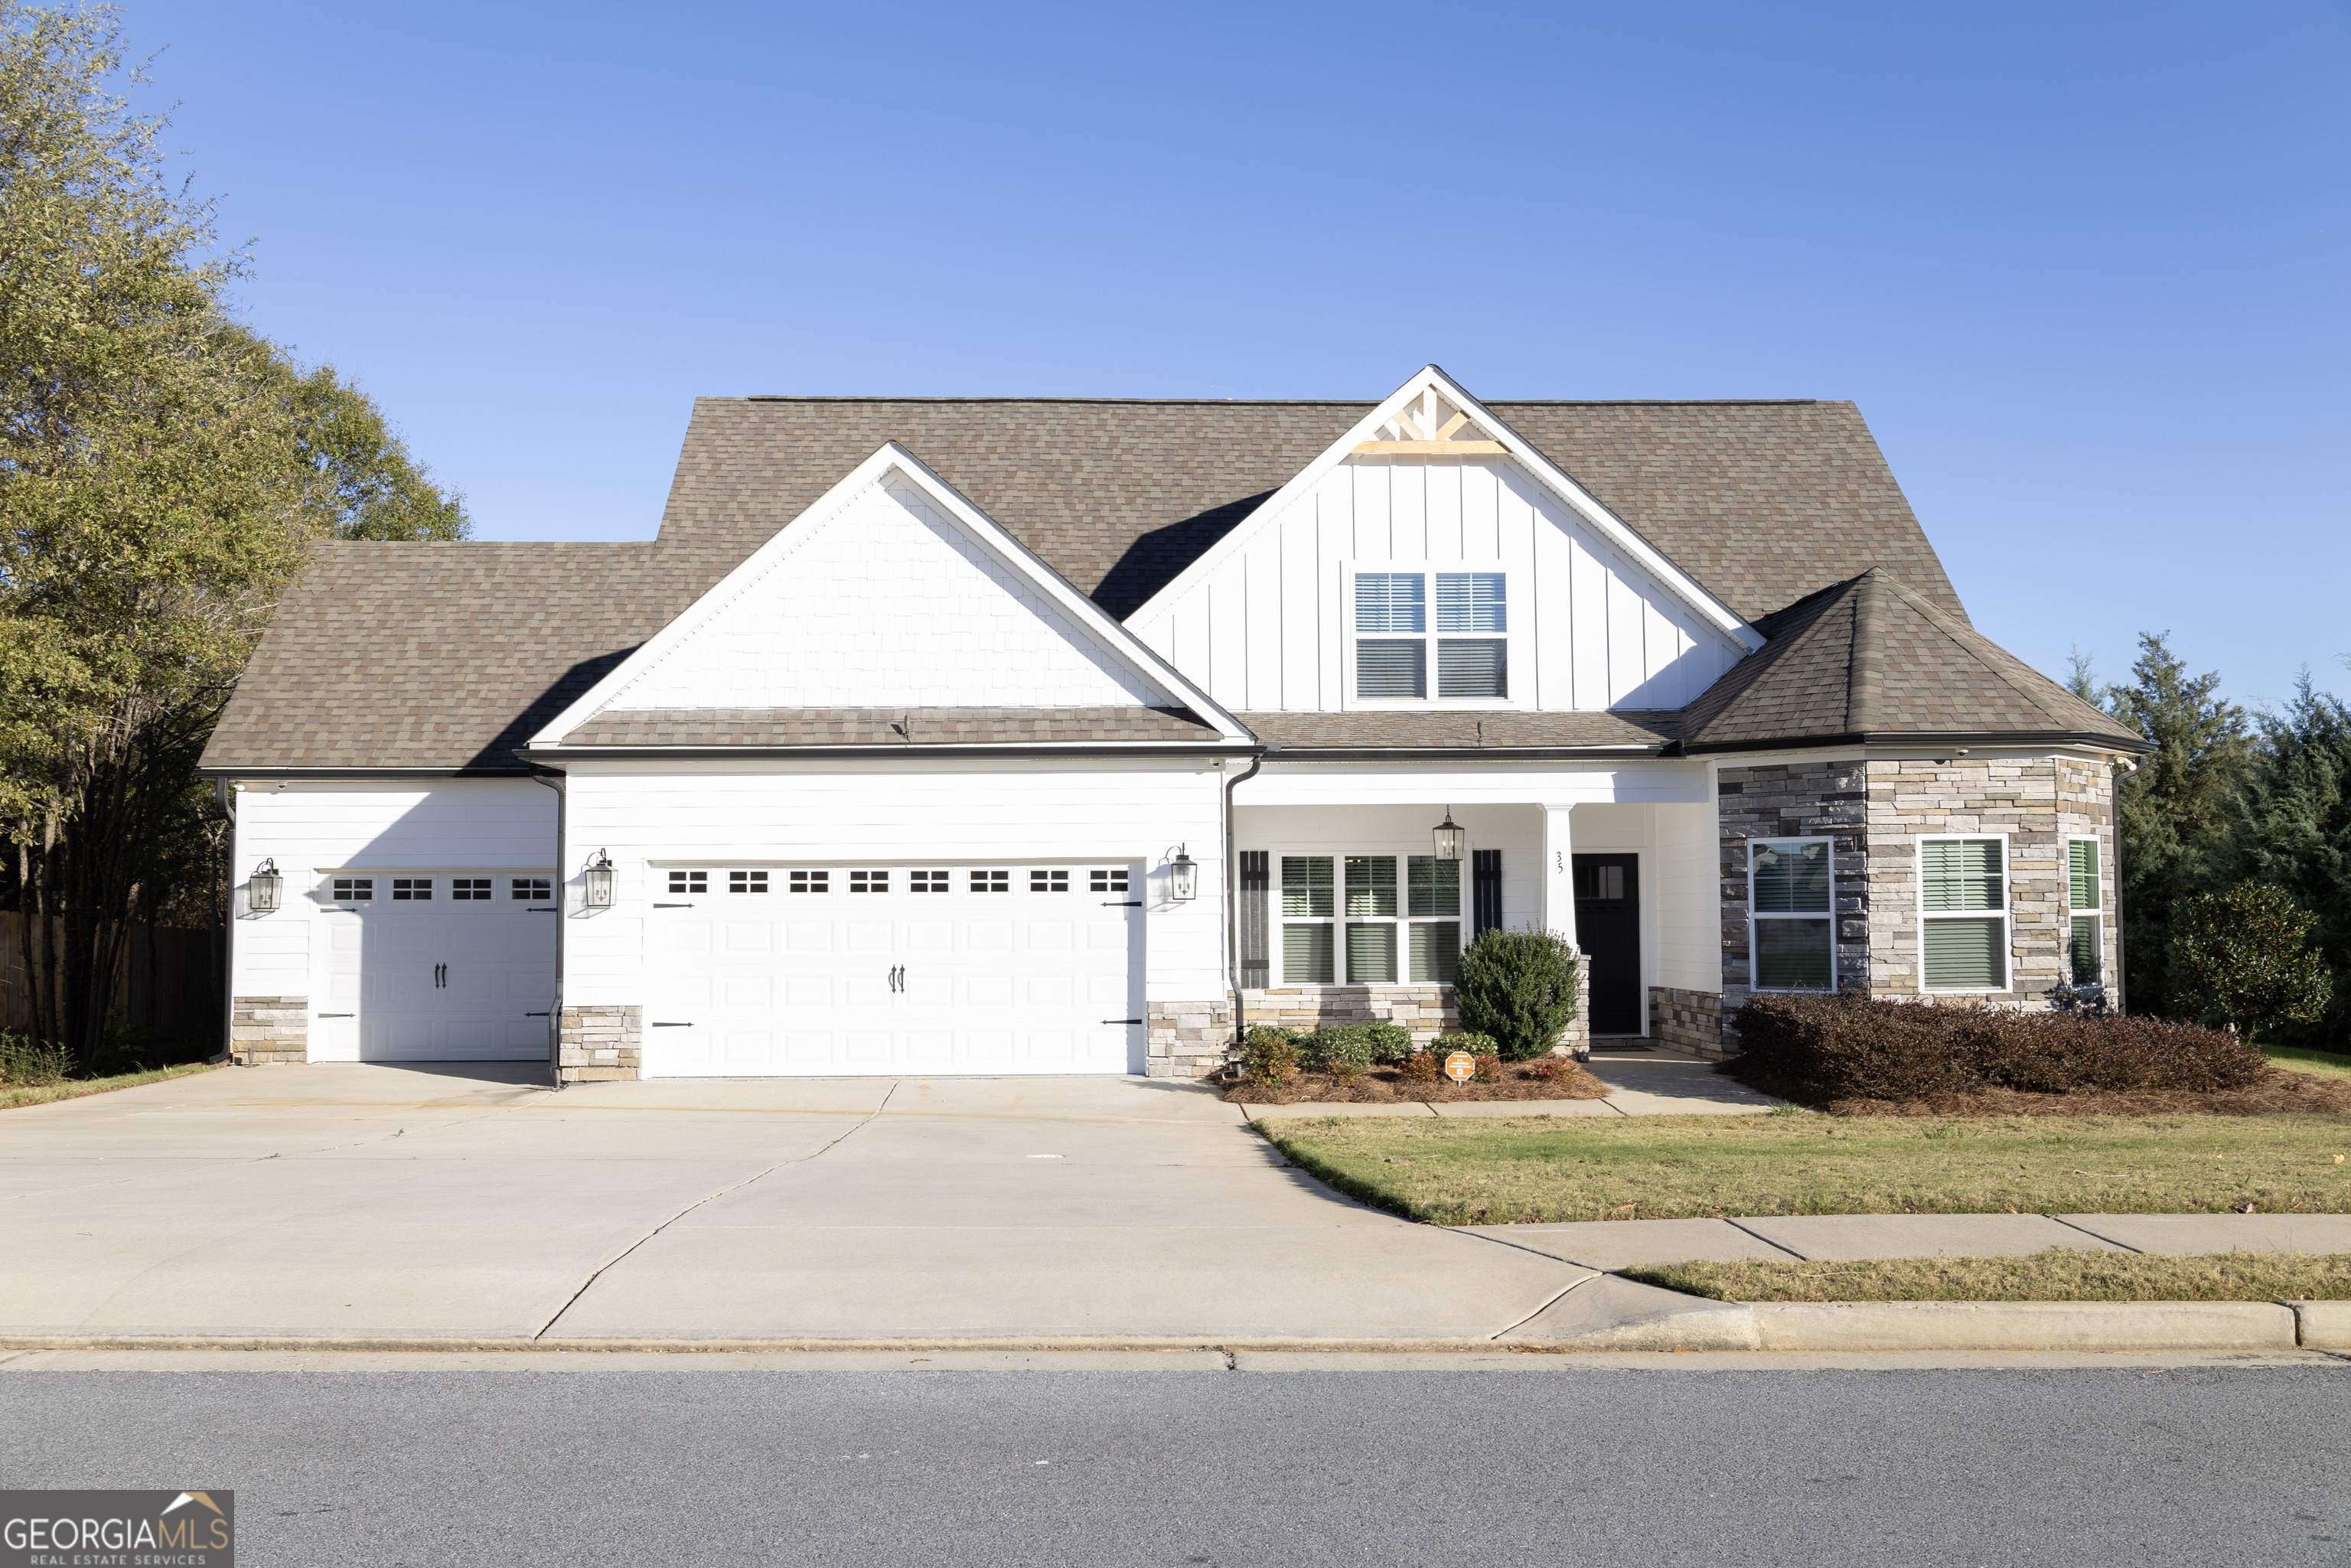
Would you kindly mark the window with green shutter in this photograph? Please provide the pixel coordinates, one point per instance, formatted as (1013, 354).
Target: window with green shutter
(1963, 903)
(1791, 905)
(2087, 945)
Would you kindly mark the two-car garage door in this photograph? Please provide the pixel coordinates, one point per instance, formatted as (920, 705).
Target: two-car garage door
(891, 968)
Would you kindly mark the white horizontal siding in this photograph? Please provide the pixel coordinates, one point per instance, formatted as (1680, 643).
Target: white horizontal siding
(1264, 630)
(888, 603)
(312, 830)
(1008, 814)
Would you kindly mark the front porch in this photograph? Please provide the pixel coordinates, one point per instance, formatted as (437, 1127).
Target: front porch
(1348, 914)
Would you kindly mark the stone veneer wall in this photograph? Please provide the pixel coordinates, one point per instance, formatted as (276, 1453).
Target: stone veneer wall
(2016, 796)
(594, 1044)
(1793, 800)
(1874, 812)
(1685, 1021)
(1188, 1040)
(266, 1029)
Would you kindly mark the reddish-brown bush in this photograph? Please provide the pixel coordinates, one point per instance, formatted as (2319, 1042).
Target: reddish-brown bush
(1422, 1066)
(1851, 1048)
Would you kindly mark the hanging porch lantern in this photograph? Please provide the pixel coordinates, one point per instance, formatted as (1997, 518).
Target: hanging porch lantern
(1451, 840)
(266, 888)
(599, 882)
(1183, 877)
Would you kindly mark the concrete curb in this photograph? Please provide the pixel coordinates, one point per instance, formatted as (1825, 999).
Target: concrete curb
(2026, 1325)
(1599, 1322)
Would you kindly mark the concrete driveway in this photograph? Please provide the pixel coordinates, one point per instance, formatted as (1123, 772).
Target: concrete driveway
(359, 1201)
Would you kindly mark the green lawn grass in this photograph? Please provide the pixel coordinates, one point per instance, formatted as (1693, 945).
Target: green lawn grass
(14, 1094)
(2325, 1064)
(1530, 1169)
(2060, 1274)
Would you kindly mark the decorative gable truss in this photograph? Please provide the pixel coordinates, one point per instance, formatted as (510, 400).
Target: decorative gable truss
(892, 594)
(1432, 496)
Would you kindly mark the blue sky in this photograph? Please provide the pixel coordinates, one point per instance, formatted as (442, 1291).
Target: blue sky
(2082, 265)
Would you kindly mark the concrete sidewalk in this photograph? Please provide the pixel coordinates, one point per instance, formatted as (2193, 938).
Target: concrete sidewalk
(1624, 1243)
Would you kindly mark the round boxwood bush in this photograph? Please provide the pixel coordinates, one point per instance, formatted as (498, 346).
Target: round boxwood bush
(1519, 987)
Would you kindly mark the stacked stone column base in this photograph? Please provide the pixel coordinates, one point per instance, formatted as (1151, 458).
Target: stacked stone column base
(263, 1031)
(1188, 1040)
(596, 1045)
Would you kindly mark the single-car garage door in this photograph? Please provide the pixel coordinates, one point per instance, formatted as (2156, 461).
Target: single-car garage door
(811, 970)
(437, 967)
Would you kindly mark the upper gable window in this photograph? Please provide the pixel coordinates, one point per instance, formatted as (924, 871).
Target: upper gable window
(1394, 631)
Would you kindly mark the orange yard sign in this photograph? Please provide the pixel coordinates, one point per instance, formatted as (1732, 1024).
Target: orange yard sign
(1460, 1067)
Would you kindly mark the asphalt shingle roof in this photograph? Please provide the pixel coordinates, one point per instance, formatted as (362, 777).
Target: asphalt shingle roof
(888, 726)
(447, 656)
(1872, 656)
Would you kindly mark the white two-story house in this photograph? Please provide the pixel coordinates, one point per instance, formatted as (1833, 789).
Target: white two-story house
(1037, 736)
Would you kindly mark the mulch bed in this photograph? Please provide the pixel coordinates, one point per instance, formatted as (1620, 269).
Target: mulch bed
(1388, 1084)
(2279, 1093)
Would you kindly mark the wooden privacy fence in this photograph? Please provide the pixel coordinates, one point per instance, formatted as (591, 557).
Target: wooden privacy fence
(170, 984)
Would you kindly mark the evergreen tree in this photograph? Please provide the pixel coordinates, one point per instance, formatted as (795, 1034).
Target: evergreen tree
(2292, 832)
(2179, 808)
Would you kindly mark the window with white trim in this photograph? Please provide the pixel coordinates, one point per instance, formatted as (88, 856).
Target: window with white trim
(2085, 903)
(1791, 914)
(1049, 882)
(1386, 919)
(868, 882)
(1109, 879)
(991, 881)
(1403, 650)
(1964, 914)
(928, 881)
(805, 881)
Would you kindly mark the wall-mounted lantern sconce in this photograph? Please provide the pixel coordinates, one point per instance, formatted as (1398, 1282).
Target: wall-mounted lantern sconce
(1451, 840)
(1183, 877)
(599, 882)
(266, 889)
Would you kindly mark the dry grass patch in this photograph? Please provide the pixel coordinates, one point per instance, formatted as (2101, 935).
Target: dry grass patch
(2059, 1274)
(14, 1095)
(1522, 1170)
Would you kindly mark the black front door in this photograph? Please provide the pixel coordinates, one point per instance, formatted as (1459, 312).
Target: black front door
(1608, 929)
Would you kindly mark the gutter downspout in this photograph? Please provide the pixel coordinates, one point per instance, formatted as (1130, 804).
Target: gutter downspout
(562, 923)
(1232, 900)
(2115, 797)
(227, 793)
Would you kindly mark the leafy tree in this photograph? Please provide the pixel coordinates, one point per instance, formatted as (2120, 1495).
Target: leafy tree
(1519, 987)
(2242, 955)
(2179, 808)
(161, 469)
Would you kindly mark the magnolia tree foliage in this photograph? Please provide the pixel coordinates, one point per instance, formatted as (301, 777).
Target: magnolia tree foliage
(161, 469)
(1519, 987)
(2245, 955)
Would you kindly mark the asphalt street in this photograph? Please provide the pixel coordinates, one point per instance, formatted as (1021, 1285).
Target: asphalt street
(1193, 1469)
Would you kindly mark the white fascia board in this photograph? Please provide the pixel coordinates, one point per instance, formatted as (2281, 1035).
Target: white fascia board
(1544, 472)
(888, 458)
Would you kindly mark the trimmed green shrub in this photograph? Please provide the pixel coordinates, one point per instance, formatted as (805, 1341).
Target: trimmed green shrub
(1519, 987)
(1851, 1048)
(1361, 1044)
(1475, 1044)
(2240, 957)
(1269, 1056)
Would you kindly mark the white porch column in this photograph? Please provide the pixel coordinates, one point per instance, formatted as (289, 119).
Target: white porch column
(1558, 873)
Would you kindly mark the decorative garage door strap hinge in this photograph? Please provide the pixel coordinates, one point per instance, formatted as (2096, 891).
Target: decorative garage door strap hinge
(673, 906)
(673, 1026)
(1121, 904)
(534, 1015)
(338, 1014)
(1122, 1020)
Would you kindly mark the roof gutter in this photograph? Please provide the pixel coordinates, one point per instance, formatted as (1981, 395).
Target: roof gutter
(2028, 739)
(548, 755)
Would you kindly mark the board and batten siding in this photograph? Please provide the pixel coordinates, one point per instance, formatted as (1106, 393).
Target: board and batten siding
(1008, 813)
(1265, 628)
(315, 830)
